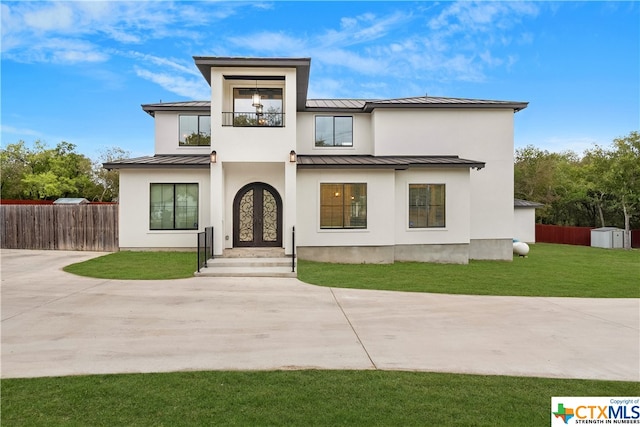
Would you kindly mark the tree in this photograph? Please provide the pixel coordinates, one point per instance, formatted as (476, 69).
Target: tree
(57, 172)
(620, 177)
(109, 179)
(554, 180)
(41, 172)
(14, 164)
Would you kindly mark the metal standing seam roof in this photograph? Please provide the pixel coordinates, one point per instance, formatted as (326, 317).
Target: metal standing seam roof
(519, 203)
(385, 162)
(306, 162)
(358, 105)
(162, 161)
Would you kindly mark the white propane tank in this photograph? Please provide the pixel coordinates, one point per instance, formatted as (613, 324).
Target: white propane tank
(520, 248)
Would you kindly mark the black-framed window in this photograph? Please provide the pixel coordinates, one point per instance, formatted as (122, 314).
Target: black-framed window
(427, 205)
(173, 207)
(195, 130)
(334, 131)
(343, 205)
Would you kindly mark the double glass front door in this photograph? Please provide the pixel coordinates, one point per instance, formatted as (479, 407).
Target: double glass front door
(257, 216)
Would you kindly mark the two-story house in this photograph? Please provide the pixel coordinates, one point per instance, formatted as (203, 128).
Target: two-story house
(361, 180)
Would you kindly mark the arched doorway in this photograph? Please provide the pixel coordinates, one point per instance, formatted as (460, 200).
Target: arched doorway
(257, 216)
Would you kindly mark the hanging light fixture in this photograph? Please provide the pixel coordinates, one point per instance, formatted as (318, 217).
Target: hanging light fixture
(256, 101)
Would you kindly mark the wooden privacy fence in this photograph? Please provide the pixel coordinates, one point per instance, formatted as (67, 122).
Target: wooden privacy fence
(573, 235)
(562, 234)
(64, 227)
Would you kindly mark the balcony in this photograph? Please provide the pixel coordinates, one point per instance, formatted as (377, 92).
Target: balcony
(272, 120)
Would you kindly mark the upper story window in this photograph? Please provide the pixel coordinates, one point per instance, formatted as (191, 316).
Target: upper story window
(256, 107)
(334, 131)
(426, 205)
(195, 130)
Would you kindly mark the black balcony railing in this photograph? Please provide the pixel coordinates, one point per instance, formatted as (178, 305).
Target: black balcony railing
(269, 120)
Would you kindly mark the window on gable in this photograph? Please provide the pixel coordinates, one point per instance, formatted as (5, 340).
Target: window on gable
(426, 205)
(173, 207)
(334, 131)
(195, 130)
(343, 205)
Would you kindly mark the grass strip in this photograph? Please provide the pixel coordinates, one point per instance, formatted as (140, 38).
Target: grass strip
(549, 271)
(131, 265)
(309, 398)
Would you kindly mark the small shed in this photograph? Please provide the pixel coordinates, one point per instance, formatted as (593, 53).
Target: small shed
(524, 220)
(71, 201)
(607, 237)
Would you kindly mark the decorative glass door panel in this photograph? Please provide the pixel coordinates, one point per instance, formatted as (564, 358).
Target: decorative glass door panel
(257, 216)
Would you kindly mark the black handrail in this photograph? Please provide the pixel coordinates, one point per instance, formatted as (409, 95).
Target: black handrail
(293, 249)
(202, 247)
(205, 247)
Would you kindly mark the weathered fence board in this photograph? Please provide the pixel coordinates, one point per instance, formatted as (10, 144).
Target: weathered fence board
(64, 227)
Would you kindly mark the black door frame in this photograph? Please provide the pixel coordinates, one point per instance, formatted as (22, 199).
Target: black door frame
(258, 215)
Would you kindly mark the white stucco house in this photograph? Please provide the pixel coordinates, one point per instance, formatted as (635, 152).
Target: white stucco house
(361, 180)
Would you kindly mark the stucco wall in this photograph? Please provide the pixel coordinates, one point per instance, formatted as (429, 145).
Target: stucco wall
(457, 205)
(134, 208)
(482, 134)
(362, 137)
(524, 224)
(252, 144)
(387, 208)
(380, 209)
(167, 128)
(237, 175)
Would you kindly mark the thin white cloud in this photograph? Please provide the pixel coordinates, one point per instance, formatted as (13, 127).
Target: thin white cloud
(18, 131)
(180, 66)
(189, 88)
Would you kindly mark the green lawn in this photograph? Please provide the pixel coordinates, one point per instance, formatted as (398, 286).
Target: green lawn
(130, 265)
(549, 270)
(296, 398)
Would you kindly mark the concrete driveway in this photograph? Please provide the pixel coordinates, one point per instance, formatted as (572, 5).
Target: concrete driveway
(54, 323)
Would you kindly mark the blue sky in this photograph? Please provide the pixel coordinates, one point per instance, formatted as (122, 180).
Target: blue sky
(78, 71)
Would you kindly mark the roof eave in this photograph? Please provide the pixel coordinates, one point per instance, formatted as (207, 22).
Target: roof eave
(152, 108)
(515, 106)
(112, 166)
(302, 66)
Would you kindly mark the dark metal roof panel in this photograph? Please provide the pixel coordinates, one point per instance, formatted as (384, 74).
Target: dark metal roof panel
(390, 162)
(177, 106)
(436, 101)
(519, 203)
(357, 104)
(161, 161)
(368, 105)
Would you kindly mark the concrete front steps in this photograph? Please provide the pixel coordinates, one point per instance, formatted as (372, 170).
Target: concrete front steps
(249, 262)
